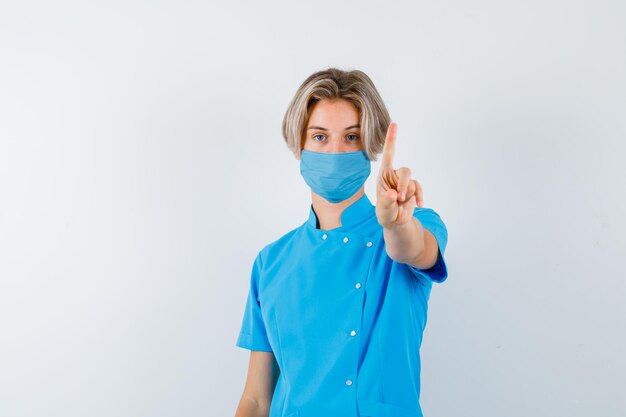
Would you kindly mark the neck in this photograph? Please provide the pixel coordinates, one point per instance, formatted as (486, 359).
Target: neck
(329, 214)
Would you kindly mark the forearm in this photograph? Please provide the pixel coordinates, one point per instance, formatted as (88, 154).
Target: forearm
(405, 243)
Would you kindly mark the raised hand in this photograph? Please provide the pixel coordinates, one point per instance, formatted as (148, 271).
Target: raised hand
(397, 194)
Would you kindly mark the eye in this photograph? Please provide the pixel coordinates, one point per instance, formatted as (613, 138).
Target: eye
(354, 137)
(316, 139)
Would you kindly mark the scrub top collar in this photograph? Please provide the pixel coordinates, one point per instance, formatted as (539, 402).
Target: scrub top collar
(355, 213)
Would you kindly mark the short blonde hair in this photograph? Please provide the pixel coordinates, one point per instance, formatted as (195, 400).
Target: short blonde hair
(332, 83)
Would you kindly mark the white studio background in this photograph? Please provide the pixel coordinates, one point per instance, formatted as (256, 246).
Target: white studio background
(142, 168)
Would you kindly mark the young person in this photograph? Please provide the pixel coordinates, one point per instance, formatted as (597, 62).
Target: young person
(337, 306)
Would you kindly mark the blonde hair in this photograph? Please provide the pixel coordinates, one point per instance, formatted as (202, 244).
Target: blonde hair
(332, 83)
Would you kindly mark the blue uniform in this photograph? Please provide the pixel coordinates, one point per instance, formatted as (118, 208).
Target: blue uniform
(344, 320)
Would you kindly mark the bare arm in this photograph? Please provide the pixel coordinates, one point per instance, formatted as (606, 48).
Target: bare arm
(411, 243)
(257, 395)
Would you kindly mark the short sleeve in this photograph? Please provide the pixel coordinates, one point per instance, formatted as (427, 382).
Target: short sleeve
(253, 334)
(432, 221)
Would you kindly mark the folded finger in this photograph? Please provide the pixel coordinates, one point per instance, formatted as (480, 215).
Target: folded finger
(419, 194)
(410, 190)
(404, 177)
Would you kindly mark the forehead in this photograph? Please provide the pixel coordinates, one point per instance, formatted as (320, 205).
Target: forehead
(333, 112)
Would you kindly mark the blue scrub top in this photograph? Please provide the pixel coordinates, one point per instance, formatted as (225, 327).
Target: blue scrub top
(344, 320)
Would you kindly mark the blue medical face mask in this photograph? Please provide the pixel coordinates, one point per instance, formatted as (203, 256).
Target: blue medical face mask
(335, 176)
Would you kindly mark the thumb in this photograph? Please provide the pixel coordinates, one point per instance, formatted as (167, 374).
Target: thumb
(389, 198)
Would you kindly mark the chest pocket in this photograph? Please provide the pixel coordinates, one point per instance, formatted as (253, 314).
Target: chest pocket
(380, 409)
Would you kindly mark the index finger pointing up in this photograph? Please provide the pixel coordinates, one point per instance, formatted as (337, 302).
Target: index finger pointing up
(390, 145)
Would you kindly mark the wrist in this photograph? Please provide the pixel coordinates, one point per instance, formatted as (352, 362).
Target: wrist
(395, 226)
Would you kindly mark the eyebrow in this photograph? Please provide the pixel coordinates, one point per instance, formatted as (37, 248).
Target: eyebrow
(323, 128)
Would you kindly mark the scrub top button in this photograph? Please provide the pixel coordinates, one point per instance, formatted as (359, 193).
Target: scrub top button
(345, 240)
(324, 236)
(358, 285)
(369, 244)
(352, 333)
(348, 382)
